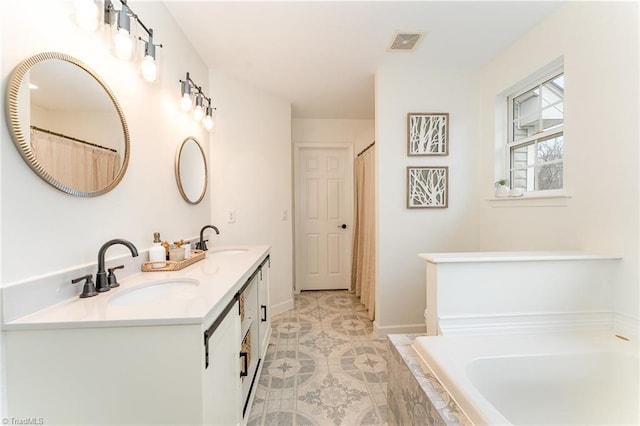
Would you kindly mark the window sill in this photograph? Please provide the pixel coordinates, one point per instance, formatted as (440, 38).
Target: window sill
(531, 200)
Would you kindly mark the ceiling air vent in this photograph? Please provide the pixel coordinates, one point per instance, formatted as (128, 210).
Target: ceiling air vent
(405, 41)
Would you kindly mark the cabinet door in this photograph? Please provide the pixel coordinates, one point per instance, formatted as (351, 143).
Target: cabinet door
(263, 303)
(250, 338)
(221, 387)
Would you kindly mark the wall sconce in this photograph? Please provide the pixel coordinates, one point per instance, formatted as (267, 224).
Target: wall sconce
(186, 101)
(149, 66)
(122, 44)
(208, 121)
(202, 114)
(122, 41)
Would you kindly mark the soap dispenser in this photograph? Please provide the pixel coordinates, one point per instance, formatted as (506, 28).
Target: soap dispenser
(157, 253)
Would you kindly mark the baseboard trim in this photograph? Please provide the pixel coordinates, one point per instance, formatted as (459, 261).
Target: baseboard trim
(626, 325)
(285, 306)
(381, 332)
(502, 324)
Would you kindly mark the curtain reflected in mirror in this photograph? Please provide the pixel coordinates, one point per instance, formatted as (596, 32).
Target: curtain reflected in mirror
(76, 164)
(67, 124)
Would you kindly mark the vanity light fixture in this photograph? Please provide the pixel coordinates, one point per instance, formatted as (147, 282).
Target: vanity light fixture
(198, 110)
(185, 101)
(208, 121)
(202, 114)
(86, 17)
(122, 44)
(148, 66)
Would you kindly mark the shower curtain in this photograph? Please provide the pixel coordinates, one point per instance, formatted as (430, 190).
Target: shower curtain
(77, 165)
(364, 240)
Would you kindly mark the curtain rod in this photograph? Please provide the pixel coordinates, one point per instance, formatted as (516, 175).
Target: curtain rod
(72, 138)
(363, 151)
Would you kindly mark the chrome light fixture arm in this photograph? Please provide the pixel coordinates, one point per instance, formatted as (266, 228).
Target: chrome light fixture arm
(188, 87)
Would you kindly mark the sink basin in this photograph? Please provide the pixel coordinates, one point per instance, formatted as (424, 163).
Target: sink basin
(156, 291)
(228, 251)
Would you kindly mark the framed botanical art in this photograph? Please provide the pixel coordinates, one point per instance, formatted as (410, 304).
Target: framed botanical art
(427, 187)
(428, 133)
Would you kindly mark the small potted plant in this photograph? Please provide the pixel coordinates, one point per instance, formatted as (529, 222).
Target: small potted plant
(502, 188)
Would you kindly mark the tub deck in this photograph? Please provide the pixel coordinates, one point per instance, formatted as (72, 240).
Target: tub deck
(538, 378)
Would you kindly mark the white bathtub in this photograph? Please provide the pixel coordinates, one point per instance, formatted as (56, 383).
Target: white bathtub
(544, 378)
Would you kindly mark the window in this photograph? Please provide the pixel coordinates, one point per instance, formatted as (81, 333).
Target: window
(536, 138)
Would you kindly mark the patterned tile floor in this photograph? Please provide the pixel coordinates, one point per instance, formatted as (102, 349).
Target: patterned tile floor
(323, 366)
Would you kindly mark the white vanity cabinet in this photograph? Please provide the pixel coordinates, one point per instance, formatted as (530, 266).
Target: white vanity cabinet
(256, 328)
(166, 371)
(221, 385)
(249, 355)
(264, 305)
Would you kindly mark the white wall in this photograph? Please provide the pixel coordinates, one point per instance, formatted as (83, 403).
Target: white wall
(599, 41)
(251, 174)
(360, 133)
(48, 230)
(402, 232)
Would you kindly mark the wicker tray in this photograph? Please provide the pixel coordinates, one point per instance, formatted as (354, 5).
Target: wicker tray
(196, 255)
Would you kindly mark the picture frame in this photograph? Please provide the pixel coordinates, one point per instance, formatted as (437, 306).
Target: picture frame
(427, 133)
(427, 187)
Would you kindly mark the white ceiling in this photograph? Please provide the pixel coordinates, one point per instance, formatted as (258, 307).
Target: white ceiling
(322, 56)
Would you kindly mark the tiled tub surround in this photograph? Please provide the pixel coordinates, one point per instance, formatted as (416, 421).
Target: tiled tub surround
(587, 377)
(520, 291)
(323, 365)
(415, 396)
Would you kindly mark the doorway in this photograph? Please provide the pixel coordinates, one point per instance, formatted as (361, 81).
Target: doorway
(324, 216)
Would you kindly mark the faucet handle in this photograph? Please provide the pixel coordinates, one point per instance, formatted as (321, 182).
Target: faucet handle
(89, 289)
(202, 245)
(111, 278)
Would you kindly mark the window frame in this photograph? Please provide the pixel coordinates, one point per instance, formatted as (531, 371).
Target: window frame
(536, 138)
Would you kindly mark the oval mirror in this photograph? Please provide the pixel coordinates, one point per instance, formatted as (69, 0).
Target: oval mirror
(191, 171)
(67, 124)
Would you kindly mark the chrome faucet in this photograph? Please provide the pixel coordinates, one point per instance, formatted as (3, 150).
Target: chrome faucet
(202, 244)
(101, 277)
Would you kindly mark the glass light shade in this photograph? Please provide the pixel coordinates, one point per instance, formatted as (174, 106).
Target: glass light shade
(207, 122)
(185, 102)
(149, 69)
(198, 113)
(86, 13)
(122, 44)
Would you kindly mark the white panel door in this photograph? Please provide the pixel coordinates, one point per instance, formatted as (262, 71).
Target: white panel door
(324, 214)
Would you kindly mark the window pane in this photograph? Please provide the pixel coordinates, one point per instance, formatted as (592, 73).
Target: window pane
(523, 156)
(549, 177)
(552, 102)
(522, 160)
(522, 178)
(526, 114)
(550, 149)
(536, 115)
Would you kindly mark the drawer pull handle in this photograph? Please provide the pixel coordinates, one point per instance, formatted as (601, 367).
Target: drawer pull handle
(264, 312)
(244, 370)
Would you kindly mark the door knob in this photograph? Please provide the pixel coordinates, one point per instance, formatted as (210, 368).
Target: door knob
(343, 226)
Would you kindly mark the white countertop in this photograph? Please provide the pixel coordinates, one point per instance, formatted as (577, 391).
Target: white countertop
(510, 256)
(215, 280)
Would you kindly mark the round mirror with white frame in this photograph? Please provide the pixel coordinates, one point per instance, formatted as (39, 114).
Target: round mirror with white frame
(67, 124)
(191, 170)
